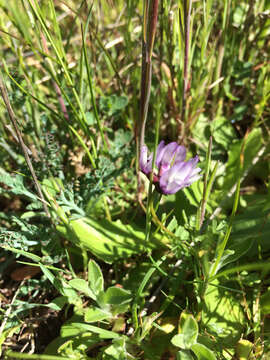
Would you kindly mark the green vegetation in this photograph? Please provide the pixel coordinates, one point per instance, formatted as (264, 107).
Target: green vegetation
(96, 263)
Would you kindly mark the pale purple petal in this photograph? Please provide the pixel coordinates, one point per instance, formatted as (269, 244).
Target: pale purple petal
(195, 172)
(192, 179)
(168, 153)
(145, 160)
(160, 152)
(180, 171)
(194, 176)
(180, 154)
(170, 181)
(170, 187)
(148, 167)
(143, 157)
(194, 160)
(180, 175)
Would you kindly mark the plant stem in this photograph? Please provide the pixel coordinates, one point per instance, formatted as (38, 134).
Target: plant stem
(90, 84)
(17, 355)
(207, 169)
(149, 32)
(187, 13)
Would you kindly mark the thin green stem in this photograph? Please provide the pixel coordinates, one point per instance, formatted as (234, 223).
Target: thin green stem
(187, 14)
(91, 88)
(17, 355)
(149, 31)
(150, 193)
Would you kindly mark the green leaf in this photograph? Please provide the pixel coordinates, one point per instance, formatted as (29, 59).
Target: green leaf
(52, 278)
(250, 230)
(78, 342)
(201, 130)
(223, 131)
(69, 330)
(117, 296)
(194, 193)
(116, 351)
(236, 250)
(222, 314)
(188, 332)
(22, 306)
(95, 277)
(184, 355)
(202, 352)
(104, 334)
(113, 104)
(23, 239)
(58, 303)
(82, 286)
(179, 341)
(15, 185)
(107, 240)
(94, 314)
(64, 289)
(27, 254)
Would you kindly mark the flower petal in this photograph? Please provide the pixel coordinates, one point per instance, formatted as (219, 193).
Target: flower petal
(194, 160)
(160, 152)
(143, 157)
(180, 154)
(170, 182)
(180, 175)
(170, 188)
(148, 167)
(168, 152)
(181, 170)
(145, 160)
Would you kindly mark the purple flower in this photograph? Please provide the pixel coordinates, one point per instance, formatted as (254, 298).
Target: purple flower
(171, 172)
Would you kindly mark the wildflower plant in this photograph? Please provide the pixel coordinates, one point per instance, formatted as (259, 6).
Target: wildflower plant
(123, 274)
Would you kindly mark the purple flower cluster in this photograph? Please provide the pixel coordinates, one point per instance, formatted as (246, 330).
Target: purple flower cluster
(171, 172)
